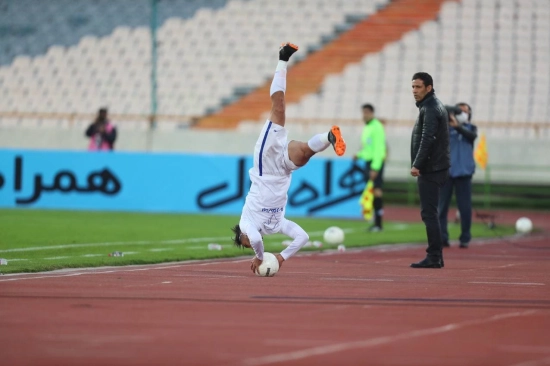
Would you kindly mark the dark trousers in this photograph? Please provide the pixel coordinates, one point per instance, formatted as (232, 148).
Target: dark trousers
(379, 181)
(463, 187)
(429, 186)
(378, 203)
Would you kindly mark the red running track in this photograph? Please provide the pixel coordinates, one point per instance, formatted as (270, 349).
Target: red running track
(490, 305)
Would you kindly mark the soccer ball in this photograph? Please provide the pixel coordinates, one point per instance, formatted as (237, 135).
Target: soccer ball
(269, 266)
(333, 235)
(524, 225)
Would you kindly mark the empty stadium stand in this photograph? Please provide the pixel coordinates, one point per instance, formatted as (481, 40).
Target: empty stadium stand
(207, 52)
(216, 58)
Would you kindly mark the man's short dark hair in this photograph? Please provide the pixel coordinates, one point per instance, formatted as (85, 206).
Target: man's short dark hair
(368, 106)
(237, 239)
(425, 77)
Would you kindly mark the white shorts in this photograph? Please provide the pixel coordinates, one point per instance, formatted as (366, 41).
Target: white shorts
(266, 223)
(271, 151)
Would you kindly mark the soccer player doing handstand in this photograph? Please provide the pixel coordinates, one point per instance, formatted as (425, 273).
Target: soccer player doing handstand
(275, 158)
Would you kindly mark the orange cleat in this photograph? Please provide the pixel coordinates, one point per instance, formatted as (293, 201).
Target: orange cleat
(337, 141)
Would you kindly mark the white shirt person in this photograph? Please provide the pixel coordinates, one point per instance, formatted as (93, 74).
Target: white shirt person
(275, 158)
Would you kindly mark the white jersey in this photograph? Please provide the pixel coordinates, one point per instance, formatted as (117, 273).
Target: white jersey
(270, 176)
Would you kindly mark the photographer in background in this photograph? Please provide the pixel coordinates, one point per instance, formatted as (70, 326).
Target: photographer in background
(102, 133)
(462, 134)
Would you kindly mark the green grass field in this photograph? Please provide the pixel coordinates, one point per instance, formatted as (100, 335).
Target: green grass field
(36, 240)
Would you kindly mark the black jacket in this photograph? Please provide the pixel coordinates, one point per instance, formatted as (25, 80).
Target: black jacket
(430, 137)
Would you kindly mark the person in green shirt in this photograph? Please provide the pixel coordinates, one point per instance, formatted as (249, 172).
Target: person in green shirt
(373, 153)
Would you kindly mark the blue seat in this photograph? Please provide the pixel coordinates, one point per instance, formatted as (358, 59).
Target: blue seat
(41, 24)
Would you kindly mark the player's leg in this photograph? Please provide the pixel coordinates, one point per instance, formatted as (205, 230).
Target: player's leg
(377, 203)
(464, 203)
(300, 152)
(278, 85)
(444, 202)
(429, 189)
(298, 235)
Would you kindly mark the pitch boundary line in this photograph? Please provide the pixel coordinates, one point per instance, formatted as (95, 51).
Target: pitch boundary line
(68, 272)
(138, 242)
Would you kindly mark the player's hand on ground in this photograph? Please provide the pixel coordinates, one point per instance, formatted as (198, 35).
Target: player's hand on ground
(415, 172)
(280, 259)
(254, 264)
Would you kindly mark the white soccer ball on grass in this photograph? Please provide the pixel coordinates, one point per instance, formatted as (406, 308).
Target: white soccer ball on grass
(334, 235)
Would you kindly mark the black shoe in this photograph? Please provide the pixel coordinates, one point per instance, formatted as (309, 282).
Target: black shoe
(374, 229)
(442, 263)
(464, 245)
(286, 50)
(428, 263)
(446, 245)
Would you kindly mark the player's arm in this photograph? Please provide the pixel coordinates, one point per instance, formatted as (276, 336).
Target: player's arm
(299, 236)
(253, 239)
(257, 245)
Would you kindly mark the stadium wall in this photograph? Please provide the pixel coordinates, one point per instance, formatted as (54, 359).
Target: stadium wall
(514, 157)
(187, 183)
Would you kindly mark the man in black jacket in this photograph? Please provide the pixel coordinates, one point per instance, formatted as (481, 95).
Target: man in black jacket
(430, 161)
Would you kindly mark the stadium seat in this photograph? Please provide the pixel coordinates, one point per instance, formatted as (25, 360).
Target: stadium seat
(476, 59)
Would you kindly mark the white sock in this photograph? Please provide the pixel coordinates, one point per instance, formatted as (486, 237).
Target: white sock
(319, 142)
(279, 81)
(281, 65)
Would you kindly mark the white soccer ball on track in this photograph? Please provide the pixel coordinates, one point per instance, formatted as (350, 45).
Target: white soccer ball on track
(524, 225)
(269, 266)
(334, 235)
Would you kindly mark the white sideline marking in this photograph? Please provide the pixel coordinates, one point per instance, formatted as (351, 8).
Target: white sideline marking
(17, 259)
(131, 268)
(97, 270)
(143, 242)
(53, 258)
(510, 283)
(378, 341)
(160, 249)
(401, 226)
(381, 248)
(146, 242)
(94, 255)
